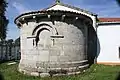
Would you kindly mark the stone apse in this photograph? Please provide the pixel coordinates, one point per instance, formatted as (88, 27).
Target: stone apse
(54, 42)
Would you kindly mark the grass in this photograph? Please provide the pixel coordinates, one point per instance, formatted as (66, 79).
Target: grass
(95, 72)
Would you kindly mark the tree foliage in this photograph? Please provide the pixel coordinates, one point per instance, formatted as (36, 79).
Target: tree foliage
(118, 1)
(3, 20)
(17, 41)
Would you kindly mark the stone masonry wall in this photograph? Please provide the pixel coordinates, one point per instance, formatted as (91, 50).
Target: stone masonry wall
(61, 46)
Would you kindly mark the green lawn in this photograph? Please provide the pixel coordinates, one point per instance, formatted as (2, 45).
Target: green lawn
(95, 72)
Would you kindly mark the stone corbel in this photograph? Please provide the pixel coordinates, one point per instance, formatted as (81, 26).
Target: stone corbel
(75, 19)
(35, 18)
(49, 16)
(63, 17)
(19, 23)
(24, 20)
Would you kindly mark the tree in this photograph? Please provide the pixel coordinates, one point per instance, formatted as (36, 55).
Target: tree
(3, 20)
(17, 41)
(118, 1)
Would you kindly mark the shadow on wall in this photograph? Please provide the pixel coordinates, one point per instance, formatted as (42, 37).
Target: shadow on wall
(93, 49)
(93, 44)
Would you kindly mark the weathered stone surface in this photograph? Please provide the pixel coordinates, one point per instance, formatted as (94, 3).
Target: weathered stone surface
(44, 75)
(35, 74)
(54, 44)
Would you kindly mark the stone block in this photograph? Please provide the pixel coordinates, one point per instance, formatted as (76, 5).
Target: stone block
(34, 73)
(44, 75)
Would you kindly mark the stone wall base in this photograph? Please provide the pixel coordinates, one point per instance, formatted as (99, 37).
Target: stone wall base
(56, 71)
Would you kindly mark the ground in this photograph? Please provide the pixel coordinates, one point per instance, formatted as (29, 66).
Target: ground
(95, 72)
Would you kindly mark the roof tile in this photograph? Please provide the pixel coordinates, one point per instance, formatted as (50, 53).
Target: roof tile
(109, 19)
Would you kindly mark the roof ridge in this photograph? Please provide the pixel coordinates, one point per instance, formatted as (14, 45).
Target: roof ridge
(70, 6)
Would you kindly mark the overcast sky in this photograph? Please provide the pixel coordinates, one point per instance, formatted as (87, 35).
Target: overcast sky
(103, 8)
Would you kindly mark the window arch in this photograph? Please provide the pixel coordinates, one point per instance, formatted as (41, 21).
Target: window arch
(38, 33)
(44, 25)
(40, 28)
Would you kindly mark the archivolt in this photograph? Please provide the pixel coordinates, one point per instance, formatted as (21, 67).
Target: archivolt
(44, 25)
(38, 33)
(38, 29)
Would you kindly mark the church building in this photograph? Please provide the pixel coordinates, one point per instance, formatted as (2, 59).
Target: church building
(65, 40)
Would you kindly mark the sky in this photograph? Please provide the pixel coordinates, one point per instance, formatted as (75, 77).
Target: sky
(103, 8)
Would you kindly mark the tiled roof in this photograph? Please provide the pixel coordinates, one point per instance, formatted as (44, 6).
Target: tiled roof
(109, 19)
(73, 7)
(47, 11)
(35, 13)
(69, 6)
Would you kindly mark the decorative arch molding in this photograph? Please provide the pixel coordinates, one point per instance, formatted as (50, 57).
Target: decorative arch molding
(41, 27)
(47, 26)
(38, 34)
